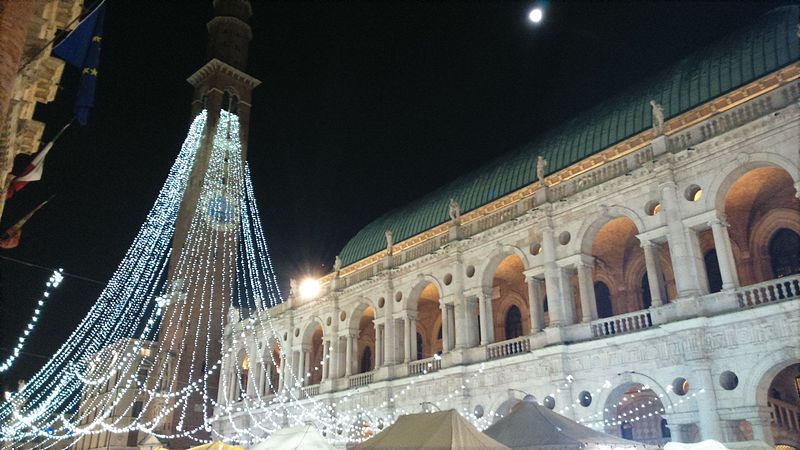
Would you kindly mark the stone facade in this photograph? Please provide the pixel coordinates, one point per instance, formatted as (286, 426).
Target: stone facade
(28, 74)
(655, 275)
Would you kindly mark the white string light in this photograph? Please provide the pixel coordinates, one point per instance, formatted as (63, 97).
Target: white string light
(52, 283)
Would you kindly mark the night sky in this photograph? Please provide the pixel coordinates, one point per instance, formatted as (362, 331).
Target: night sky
(363, 108)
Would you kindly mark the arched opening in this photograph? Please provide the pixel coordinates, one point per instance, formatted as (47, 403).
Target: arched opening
(230, 102)
(712, 271)
(366, 339)
(513, 323)
(634, 411)
(244, 374)
(647, 299)
(366, 360)
(784, 253)
(429, 317)
(757, 206)
(602, 296)
(783, 401)
(510, 293)
(619, 266)
(315, 368)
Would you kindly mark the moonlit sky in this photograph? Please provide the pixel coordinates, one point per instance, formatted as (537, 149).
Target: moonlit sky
(364, 107)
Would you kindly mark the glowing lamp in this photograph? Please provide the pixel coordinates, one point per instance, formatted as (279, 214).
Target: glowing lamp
(309, 288)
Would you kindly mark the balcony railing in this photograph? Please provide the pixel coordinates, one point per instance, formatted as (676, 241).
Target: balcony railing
(785, 416)
(362, 379)
(426, 365)
(510, 347)
(769, 292)
(309, 391)
(623, 323)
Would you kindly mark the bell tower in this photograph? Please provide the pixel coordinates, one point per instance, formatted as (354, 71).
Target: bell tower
(192, 307)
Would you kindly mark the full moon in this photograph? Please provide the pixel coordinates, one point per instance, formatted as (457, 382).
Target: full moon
(536, 15)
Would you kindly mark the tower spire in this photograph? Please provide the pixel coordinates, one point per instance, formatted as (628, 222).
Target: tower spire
(229, 32)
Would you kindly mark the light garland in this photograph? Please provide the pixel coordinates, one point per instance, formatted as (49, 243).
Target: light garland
(52, 283)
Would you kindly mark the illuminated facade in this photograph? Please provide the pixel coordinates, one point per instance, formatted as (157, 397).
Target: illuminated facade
(642, 277)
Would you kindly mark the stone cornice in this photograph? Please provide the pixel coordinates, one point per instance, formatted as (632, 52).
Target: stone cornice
(636, 142)
(216, 65)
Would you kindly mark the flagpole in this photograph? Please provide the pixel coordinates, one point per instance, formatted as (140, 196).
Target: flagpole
(60, 35)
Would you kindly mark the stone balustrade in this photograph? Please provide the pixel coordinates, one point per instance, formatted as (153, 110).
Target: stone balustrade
(426, 365)
(509, 347)
(361, 379)
(623, 323)
(769, 292)
(309, 391)
(785, 416)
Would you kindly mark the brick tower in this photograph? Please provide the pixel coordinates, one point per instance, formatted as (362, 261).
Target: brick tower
(221, 84)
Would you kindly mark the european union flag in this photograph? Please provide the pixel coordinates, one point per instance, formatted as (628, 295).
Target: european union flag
(81, 48)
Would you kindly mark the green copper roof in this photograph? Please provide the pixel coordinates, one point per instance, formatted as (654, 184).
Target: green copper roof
(766, 46)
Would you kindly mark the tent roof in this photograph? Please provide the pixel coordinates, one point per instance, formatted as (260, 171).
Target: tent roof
(304, 437)
(534, 426)
(439, 430)
(216, 445)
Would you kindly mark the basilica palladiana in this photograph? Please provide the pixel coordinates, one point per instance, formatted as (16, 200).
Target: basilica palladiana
(636, 269)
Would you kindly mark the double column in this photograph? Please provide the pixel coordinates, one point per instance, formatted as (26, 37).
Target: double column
(410, 336)
(559, 289)
(535, 302)
(585, 267)
(448, 325)
(722, 245)
(350, 342)
(655, 277)
(687, 264)
(486, 317)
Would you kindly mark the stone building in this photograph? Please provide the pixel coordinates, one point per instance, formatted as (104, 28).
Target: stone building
(28, 74)
(635, 269)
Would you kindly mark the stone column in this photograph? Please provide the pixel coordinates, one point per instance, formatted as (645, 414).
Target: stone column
(282, 376)
(654, 278)
(586, 290)
(411, 337)
(467, 325)
(567, 303)
(222, 396)
(325, 359)
(722, 244)
(684, 262)
(710, 425)
(445, 327)
(451, 325)
(487, 319)
(379, 345)
(307, 364)
(535, 304)
(390, 330)
(348, 360)
(552, 277)
(301, 370)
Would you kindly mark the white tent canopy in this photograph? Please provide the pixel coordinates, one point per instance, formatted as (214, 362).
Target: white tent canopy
(438, 430)
(304, 437)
